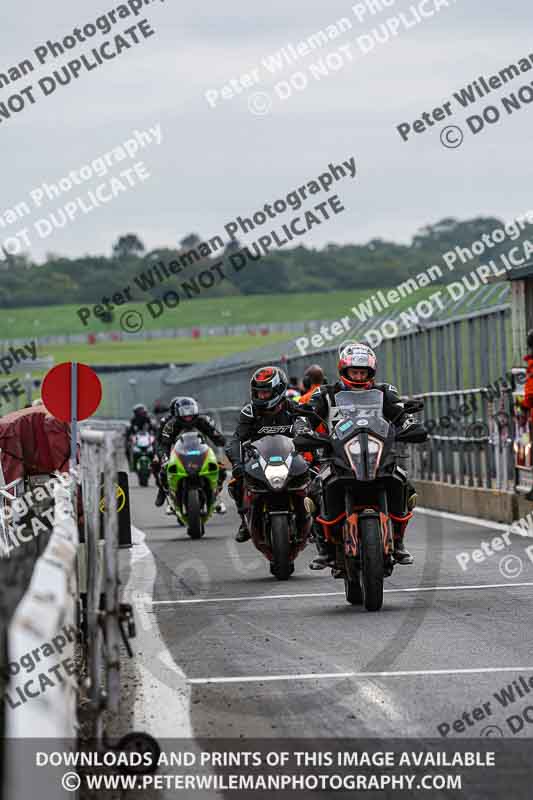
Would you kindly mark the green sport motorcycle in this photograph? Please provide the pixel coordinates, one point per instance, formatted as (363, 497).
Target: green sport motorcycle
(192, 476)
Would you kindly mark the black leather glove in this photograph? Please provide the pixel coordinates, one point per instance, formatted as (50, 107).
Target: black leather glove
(412, 431)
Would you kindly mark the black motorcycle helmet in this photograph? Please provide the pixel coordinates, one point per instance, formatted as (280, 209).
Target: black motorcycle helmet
(268, 388)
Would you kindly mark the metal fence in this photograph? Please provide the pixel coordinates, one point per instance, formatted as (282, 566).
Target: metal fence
(471, 440)
(463, 352)
(99, 576)
(117, 335)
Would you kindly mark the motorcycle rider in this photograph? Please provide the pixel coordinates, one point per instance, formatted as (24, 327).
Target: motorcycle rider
(140, 418)
(268, 412)
(186, 418)
(170, 414)
(357, 369)
(140, 421)
(312, 380)
(156, 462)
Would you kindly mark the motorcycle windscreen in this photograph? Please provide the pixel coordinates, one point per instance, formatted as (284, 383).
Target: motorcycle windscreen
(275, 449)
(275, 456)
(359, 409)
(192, 450)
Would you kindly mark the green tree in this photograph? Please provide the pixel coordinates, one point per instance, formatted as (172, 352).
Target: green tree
(127, 246)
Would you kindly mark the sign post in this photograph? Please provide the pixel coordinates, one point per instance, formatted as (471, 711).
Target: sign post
(71, 392)
(73, 414)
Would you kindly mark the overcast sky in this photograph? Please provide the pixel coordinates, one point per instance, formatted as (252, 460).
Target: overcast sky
(216, 163)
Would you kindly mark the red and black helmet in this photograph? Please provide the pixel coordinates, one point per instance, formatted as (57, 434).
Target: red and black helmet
(268, 388)
(357, 356)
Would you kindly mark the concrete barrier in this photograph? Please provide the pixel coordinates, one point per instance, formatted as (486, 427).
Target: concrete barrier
(491, 504)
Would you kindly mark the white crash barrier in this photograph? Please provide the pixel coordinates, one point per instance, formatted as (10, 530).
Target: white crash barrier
(42, 690)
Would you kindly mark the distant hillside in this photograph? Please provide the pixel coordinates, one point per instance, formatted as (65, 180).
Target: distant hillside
(349, 267)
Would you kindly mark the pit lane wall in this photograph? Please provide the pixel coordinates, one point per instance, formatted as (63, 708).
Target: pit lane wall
(489, 504)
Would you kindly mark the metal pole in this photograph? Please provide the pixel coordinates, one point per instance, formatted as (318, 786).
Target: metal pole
(73, 413)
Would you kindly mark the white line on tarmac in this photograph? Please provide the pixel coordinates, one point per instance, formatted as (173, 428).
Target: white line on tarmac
(483, 523)
(343, 675)
(160, 709)
(245, 598)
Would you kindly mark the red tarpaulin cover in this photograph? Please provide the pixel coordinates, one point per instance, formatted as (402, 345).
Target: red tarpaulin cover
(33, 442)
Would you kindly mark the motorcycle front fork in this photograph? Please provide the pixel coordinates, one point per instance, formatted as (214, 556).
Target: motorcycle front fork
(382, 506)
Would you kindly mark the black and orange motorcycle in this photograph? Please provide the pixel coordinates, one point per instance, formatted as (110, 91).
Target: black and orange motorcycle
(361, 456)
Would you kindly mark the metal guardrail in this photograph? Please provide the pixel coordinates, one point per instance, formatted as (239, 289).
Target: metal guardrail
(99, 577)
(471, 439)
(442, 354)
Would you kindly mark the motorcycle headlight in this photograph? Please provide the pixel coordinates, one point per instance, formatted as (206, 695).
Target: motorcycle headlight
(364, 460)
(375, 448)
(277, 476)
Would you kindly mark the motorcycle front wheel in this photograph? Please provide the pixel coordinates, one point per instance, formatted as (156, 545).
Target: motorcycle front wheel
(372, 563)
(144, 478)
(281, 567)
(195, 526)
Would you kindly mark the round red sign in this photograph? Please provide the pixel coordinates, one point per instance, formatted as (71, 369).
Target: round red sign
(56, 391)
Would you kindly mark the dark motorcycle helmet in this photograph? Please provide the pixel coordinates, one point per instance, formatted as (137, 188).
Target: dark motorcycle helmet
(268, 389)
(187, 409)
(140, 410)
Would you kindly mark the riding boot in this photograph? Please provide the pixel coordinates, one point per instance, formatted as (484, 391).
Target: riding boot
(399, 523)
(243, 534)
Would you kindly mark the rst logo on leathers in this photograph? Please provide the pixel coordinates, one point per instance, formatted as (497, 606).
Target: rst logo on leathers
(275, 429)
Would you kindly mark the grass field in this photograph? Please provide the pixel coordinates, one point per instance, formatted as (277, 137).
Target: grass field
(251, 310)
(180, 350)
(42, 321)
